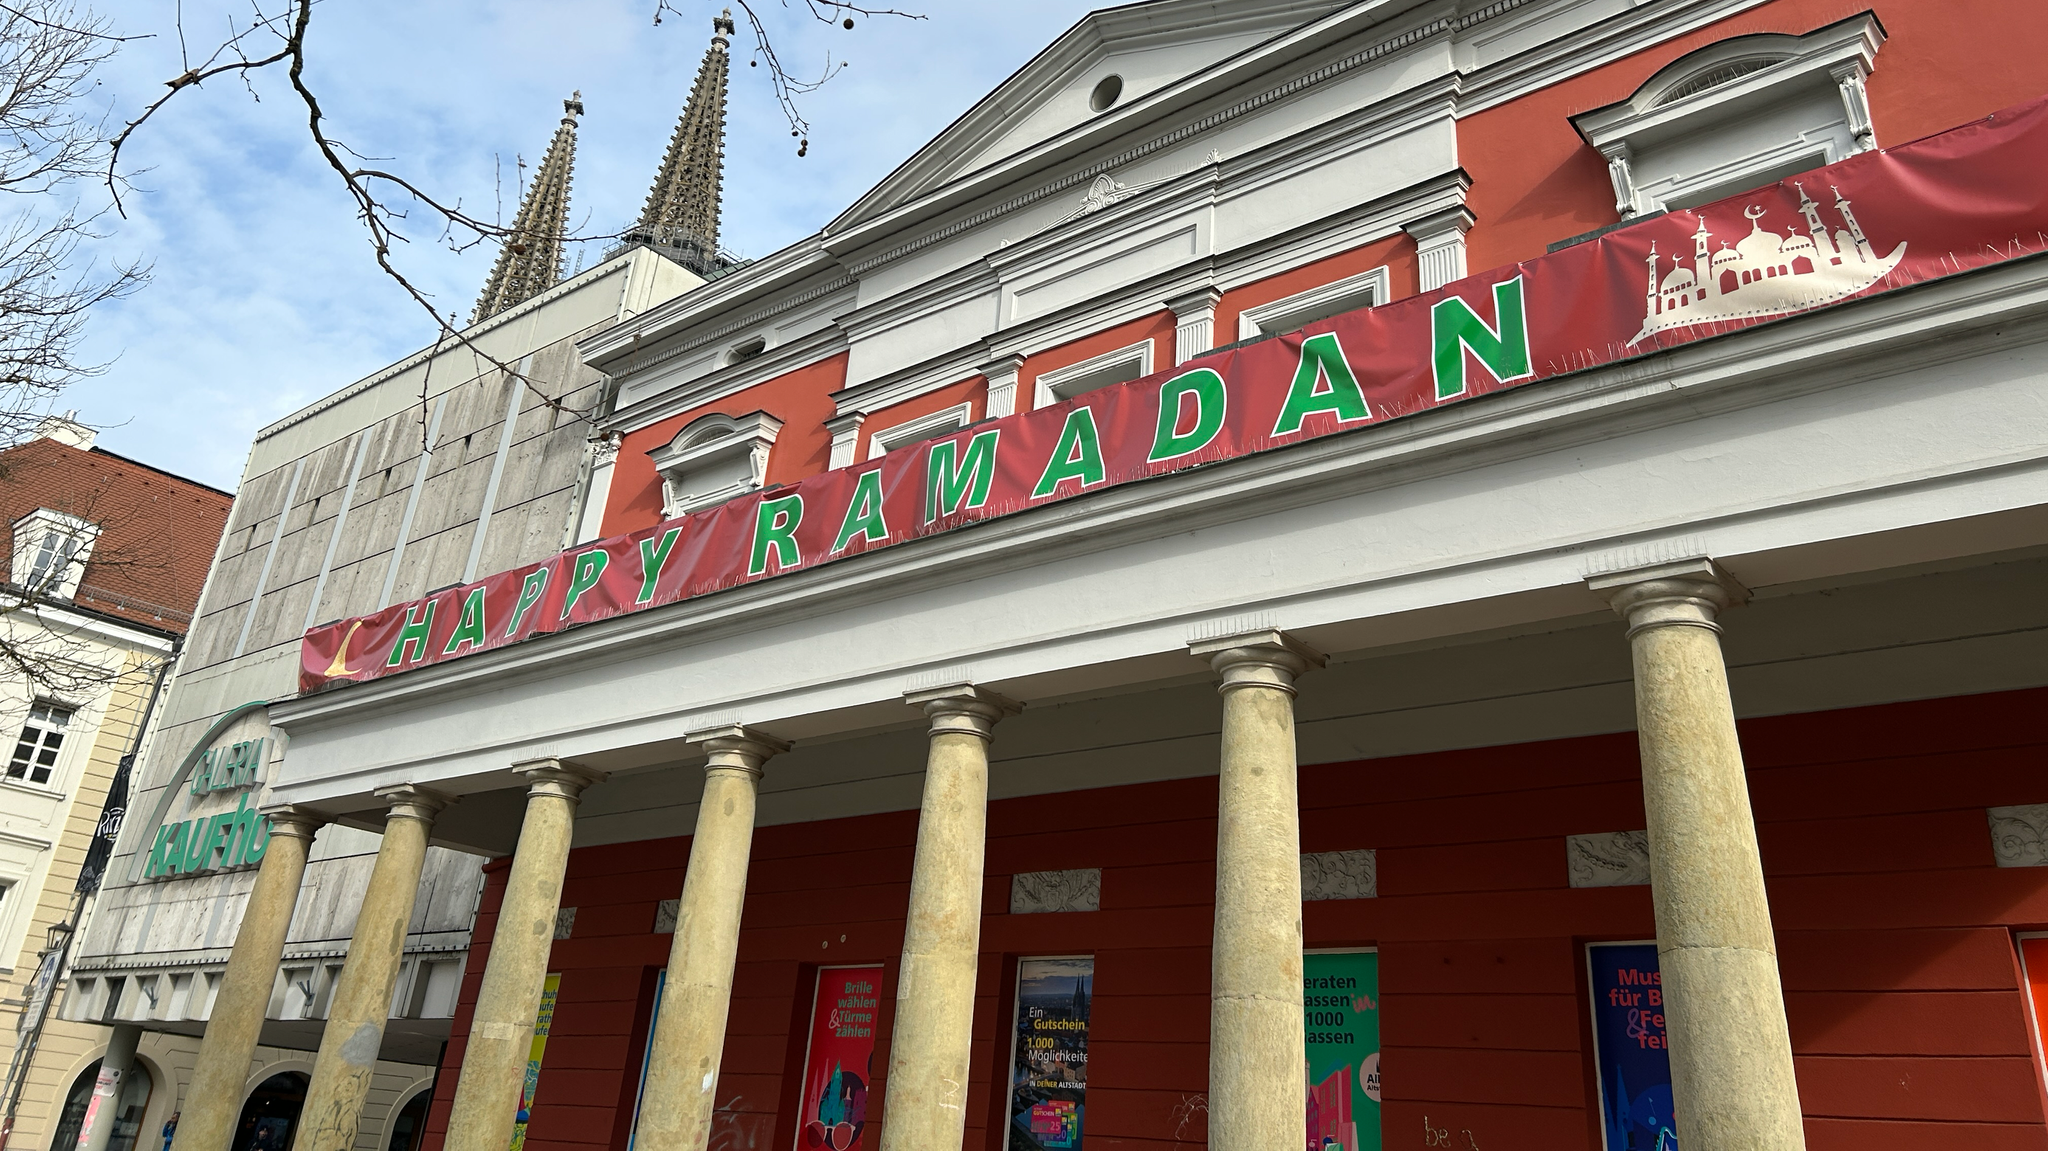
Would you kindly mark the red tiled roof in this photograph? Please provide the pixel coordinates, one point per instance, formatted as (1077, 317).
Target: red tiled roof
(158, 532)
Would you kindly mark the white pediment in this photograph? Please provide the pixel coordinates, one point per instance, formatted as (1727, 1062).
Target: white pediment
(1108, 61)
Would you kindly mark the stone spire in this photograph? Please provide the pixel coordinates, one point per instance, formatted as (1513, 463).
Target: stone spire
(530, 262)
(681, 215)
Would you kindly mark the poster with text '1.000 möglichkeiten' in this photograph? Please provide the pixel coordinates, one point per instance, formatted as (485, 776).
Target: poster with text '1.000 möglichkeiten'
(1049, 1063)
(1341, 1014)
(1629, 1047)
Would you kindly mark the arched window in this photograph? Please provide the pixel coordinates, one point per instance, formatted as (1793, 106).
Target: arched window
(271, 1114)
(409, 1124)
(129, 1107)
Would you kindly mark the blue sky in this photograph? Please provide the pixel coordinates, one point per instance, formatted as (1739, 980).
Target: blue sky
(265, 296)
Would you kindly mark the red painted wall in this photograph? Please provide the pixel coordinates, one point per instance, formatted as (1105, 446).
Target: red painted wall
(972, 391)
(1397, 252)
(802, 400)
(1894, 933)
(1534, 181)
(1157, 327)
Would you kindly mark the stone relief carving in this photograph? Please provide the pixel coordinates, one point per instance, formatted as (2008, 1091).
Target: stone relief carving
(565, 922)
(665, 916)
(2019, 835)
(1340, 875)
(1038, 891)
(1608, 859)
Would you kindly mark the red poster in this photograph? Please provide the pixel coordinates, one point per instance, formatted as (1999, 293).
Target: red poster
(1876, 222)
(839, 1061)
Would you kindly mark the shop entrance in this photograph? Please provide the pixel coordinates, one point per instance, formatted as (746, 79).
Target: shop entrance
(128, 1109)
(272, 1113)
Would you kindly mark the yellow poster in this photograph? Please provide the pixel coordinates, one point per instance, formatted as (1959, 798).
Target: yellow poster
(543, 1022)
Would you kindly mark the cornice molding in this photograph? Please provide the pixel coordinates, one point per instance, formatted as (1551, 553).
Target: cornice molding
(716, 385)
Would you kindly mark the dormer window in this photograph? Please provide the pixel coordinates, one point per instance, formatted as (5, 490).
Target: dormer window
(714, 459)
(50, 552)
(1739, 114)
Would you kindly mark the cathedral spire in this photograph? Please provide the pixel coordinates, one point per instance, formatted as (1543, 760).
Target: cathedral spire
(681, 215)
(530, 262)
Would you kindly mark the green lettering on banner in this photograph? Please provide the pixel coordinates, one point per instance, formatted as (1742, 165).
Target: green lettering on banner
(1322, 383)
(1212, 399)
(412, 638)
(530, 590)
(950, 480)
(864, 512)
(775, 524)
(583, 575)
(1454, 329)
(1078, 455)
(653, 558)
(470, 629)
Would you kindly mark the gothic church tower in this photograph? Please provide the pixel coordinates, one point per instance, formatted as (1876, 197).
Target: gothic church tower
(530, 262)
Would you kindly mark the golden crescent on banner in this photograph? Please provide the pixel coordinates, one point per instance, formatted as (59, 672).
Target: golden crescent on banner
(340, 665)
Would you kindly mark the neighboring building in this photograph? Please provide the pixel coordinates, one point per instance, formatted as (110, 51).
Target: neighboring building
(107, 559)
(418, 476)
(1160, 372)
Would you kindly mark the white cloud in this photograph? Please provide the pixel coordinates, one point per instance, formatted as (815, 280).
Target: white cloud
(265, 294)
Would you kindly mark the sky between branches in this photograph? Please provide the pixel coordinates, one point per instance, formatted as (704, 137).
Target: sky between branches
(265, 295)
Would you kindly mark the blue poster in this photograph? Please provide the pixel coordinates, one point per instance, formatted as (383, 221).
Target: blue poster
(1629, 1047)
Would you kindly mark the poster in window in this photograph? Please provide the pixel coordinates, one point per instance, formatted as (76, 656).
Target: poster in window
(1630, 1052)
(1341, 1018)
(839, 1062)
(1049, 1062)
(543, 1023)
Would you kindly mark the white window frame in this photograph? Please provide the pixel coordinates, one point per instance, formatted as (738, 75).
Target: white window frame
(1062, 384)
(30, 533)
(1839, 56)
(1374, 287)
(922, 428)
(66, 742)
(711, 442)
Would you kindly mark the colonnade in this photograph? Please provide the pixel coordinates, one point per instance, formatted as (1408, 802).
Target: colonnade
(1730, 1050)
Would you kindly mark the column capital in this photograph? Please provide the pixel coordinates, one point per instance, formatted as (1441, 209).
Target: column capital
(1267, 657)
(736, 747)
(963, 708)
(295, 822)
(557, 777)
(1196, 302)
(1683, 593)
(410, 801)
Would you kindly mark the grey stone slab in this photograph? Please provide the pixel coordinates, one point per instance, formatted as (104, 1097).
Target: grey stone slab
(1608, 859)
(1076, 889)
(2019, 835)
(1340, 875)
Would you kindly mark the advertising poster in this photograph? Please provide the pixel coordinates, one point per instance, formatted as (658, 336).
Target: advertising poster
(1049, 1063)
(1341, 1014)
(543, 1022)
(839, 1063)
(1629, 1050)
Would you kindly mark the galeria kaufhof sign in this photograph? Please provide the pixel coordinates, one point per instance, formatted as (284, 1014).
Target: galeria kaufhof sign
(1873, 223)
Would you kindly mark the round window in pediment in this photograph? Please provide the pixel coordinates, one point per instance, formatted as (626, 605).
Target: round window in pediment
(1107, 90)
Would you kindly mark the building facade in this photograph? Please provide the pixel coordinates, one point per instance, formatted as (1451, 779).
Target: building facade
(107, 558)
(1344, 575)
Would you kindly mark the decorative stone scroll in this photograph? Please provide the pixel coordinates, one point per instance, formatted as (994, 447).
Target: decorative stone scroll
(665, 914)
(565, 922)
(1032, 892)
(2019, 835)
(1608, 859)
(1340, 875)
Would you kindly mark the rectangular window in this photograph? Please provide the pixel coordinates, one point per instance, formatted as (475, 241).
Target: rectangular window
(35, 753)
(1049, 1062)
(52, 557)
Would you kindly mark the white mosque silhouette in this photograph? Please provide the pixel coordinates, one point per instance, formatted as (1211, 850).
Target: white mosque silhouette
(1765, 274)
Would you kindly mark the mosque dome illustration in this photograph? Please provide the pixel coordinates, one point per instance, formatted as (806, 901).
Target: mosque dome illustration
(1764, 273)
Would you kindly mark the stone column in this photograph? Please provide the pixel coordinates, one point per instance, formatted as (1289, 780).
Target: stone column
(1255, 996)
(106, 1090)
(928, 1050)
(362, 996)
(1731, 1055)
(689, 1036)
(487, 1096)
(213, 1101)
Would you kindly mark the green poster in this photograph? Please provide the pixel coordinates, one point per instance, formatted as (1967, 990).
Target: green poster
(1341, 1008)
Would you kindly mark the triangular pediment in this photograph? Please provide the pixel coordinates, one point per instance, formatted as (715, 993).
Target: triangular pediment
(1107, 61)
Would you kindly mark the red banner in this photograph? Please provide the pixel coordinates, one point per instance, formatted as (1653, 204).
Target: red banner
(839, 1060)
(1873, 223)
